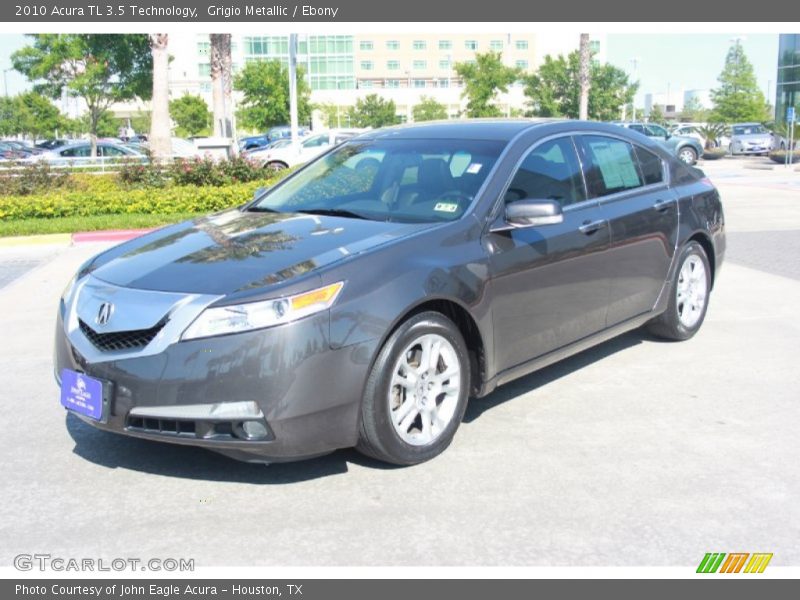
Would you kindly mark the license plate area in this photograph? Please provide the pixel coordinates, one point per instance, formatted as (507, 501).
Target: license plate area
(85, 395)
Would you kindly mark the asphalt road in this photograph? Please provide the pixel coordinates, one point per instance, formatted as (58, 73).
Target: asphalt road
(637, 452)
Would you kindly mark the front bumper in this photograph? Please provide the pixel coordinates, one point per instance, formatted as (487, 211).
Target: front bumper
(199, 392)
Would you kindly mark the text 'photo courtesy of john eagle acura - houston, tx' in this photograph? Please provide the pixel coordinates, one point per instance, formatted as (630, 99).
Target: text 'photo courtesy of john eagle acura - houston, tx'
(363, 300)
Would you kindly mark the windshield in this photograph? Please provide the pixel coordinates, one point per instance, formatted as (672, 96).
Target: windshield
(748, 129)
(390, 180)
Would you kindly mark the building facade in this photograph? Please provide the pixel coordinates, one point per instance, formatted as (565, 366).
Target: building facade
(400, 67)
(787, 90)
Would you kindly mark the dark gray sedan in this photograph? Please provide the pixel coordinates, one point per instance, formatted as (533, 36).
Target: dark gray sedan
(364, 299)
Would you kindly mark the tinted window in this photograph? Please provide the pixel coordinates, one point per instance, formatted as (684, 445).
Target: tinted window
(550, 172)
(650, 164)
(611, 166)
(390, 180)
(638, 128)
(656, 131)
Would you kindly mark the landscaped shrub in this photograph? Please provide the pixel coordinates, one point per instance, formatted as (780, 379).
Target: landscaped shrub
(207, 171)
(168, 200)
(714, 153)
(32, 178)
(136, 174)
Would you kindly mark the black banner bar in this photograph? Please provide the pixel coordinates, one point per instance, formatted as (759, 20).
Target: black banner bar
(315, 11)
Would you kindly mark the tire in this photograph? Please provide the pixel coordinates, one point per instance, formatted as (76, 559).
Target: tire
(276, 166)
(687, 155)
(676, 323)
(392, 425)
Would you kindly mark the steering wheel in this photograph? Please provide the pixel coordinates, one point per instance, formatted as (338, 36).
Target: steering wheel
(456, 196)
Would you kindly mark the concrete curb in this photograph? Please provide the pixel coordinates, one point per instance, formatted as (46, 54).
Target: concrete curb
(66, 239)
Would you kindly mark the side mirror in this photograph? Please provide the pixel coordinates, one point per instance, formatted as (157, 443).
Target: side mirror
(532, 213)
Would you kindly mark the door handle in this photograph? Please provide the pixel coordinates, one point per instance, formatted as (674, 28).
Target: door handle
(589, 227)
(662, 205)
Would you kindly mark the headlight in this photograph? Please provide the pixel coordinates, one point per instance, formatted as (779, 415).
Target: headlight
(66, 295)
(258, 315)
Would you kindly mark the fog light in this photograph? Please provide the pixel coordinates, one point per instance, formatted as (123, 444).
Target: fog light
(254, 430)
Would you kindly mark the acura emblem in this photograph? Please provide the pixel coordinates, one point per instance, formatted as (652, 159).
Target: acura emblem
(104, 314)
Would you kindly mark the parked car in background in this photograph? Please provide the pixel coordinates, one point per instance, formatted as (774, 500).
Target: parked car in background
(181, 148)
(750, 138)
(51, 144)
(691, 130)
(81, 152)
(23, 146)
(10, 150)
(686, 149)
(311, 147)
(261, 141)
(363, 300)
(281, 143)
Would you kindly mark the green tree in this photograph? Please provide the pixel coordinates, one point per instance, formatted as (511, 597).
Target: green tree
(483, 80)
(38, 116)
(373, 111)
(141, 121)
(429, 109)
(554, 90)
(656, 114)
(738, 97)
(333, 115)
(693, 111)
(100, 68)
(106, 126)
(9, 125)
(265, 89)
(191, 115)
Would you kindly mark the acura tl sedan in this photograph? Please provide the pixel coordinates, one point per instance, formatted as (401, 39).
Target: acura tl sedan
(365, 298)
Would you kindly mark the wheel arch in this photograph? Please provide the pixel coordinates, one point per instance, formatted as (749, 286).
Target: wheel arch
(708, 246)
(467, 326)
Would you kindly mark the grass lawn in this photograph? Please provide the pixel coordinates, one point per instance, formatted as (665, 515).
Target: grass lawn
(94, 223)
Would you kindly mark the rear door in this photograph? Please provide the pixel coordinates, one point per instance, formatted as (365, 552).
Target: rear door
(550, 283)
(630, 184)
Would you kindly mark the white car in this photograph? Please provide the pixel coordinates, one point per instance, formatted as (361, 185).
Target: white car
(690, 130)
(308, 148)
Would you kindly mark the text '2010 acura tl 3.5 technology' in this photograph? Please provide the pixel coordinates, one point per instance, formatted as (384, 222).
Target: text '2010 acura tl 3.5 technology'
(365, 298)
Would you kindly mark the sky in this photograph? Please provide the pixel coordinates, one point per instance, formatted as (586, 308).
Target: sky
(690, 61)
(680, 61)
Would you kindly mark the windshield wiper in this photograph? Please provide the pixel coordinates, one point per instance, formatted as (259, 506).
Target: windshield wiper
(262, 209)
(333, 212)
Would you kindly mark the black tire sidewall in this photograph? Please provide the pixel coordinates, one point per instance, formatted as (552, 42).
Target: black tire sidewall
(376, 394)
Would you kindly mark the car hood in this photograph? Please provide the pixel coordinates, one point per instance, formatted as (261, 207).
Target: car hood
(236, 251)
(753, 137)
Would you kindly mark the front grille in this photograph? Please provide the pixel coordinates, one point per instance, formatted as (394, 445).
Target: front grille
(166, 426)
(120, 340)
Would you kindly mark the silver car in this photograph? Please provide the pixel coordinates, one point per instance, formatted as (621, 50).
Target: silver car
(750, 138)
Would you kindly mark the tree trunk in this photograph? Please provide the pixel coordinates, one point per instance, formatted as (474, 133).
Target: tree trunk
(94, 119)
(221, 82)
(584, 76)
(160, 126)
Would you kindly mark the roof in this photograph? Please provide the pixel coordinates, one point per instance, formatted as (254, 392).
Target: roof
(475, 129)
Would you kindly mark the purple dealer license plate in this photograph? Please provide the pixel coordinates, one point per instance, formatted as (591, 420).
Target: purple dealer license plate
(82, 393)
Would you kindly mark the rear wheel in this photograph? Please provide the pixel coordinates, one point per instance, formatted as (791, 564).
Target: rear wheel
(416, 393)
(687, 155)
(688, 298)
(276, 166)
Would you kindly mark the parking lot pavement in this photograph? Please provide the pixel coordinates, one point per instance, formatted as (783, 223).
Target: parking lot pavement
(637, 452)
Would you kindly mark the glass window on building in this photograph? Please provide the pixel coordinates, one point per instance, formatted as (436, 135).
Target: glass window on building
(420, 45)
(365, 84)
(496, 45)
(204, 48)
(366, 65)
(787, 92)
(366, 45)
(420, 65)
(392, 45)
(392, 83)
(445, 45)
(444, 83)
(444, 65)
(471, 44)
(393, 65)
(521, 44)
(522, 64)
(204, 70)
(419, 83)
(594, 46)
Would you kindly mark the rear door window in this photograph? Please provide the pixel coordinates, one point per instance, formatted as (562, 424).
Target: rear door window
(651, 166)
(610, 165)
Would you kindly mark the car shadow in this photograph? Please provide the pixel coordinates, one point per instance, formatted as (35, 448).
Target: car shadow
(116, 451)
(540, 378)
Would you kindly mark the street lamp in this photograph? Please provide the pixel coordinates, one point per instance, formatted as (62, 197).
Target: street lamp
(5, 81)
(634, 64)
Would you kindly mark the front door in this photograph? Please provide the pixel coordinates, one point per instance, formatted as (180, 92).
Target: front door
(550, 284)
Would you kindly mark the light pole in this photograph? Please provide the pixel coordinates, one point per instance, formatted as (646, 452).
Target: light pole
(5, 81)
(634, 64)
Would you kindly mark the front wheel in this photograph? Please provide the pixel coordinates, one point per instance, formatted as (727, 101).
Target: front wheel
(416, 393)
(687, 155)
(688, 297)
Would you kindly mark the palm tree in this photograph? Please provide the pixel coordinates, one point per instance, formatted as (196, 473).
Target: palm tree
(221, 82)
(160, 126)
(584, 76)
(711, 133)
